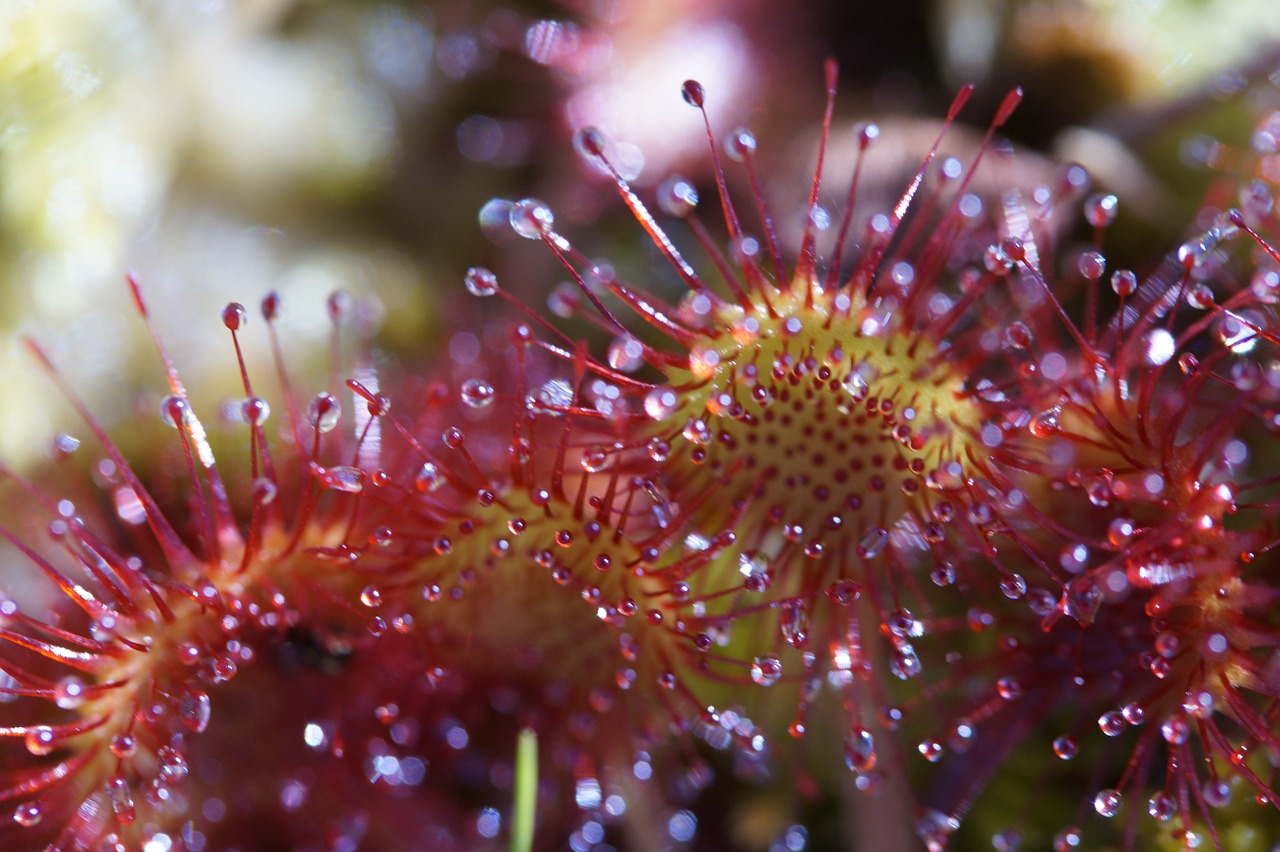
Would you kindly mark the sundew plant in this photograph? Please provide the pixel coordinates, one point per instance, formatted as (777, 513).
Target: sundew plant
(930, 505)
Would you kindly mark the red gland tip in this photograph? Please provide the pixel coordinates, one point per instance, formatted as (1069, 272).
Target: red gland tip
(234, 316)
(136, 290)
(693, 93)
(831, 71)
(590, 142)
(961, 98)
(38, 353)
(1008, 105)
(270, 306)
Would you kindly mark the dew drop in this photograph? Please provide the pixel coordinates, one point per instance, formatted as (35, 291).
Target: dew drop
(476, 393)
(1107, 802)
(173, 765)
(121, 800)
(1159, 346)
(1017, 335)
(930, 749)
(1067, 840)
(255, 411)
(123, 746)
(323, 412)
(1161, 807)
(1013, 586)
(1200, 297)
(1120, 531)
(740, 144)
(904, 625)
(1044, 424)
(531, 218)
(194, 710)
(595, 459)
(264, 491)
(795, 625)
(1175, 730)
(766, 670)
(1008, 688)
(935, 828)
(1217, 792)
(1111, 723)
(371, 596)
(1100, 210)
(872, 542)
(1065, 748)
(1265, 286)
(69, 693)
(589, 142)
(481, 282)
(1124, 282)
(234, 316)
(693, 93)
(677, 197)
(625, 354)
(860, 750)
(342, 478)
(1091, 265)
(28, 814)
(174, 411)
(40, 740)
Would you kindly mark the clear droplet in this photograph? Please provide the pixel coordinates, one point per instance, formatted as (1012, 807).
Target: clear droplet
(625, 354)
(1091, 265)
(1107, 802)
(531, 218)
(323, 412)
(766, 670)
(429, 478)
(935, 828)
(1013, 586)
(1124, 282)
(931, 750)
(175, 411)
(342, 477)
(476, 393)
(255, 411)
(872, 542)
(121, 800)
(40, 740)
(234, 316)
(1159, 346)
(1217, 792)
(660, 403)
(28, 814)
(860, 750)
(1100, 210)
(677, 197)
(194, 710)
(1161, 807)
(173, 765)
(481, 282)
(1175, 730)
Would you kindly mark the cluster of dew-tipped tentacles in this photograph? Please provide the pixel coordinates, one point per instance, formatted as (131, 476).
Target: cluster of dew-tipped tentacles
(946, 482)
